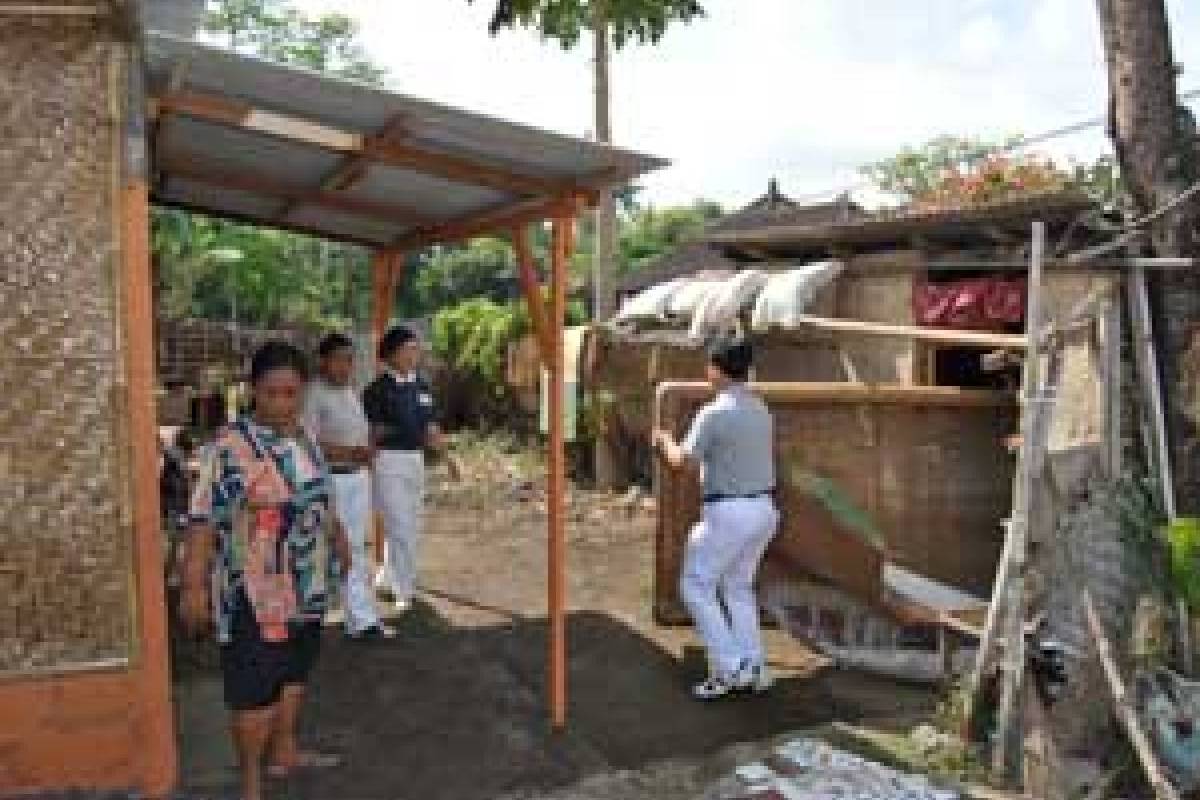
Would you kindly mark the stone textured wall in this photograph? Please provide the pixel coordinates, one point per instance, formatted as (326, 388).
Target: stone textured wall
(65, 510)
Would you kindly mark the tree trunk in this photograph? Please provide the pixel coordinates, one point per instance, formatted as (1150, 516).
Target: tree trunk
(603, 295)
(1155, 143)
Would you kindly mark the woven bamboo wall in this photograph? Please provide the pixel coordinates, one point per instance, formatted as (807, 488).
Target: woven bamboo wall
(926, 463)
(65, 518)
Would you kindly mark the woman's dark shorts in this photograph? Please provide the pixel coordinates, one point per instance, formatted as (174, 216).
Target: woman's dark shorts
(255, 671)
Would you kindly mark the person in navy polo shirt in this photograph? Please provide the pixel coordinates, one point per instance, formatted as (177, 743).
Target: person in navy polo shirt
(403, 418)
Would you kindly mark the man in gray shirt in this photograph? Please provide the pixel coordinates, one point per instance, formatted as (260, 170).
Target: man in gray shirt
(731, 444)
(334, 418)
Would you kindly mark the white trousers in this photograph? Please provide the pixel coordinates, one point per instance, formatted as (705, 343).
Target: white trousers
(352, 499)
(719, 567)
(399, 496)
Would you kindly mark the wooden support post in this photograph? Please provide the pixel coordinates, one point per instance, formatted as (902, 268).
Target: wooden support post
(387, 268)
(531, 287)
(557, 478)
(1010, 596)
(158, 730)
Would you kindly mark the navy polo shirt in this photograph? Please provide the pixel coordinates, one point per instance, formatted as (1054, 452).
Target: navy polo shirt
(400, 411)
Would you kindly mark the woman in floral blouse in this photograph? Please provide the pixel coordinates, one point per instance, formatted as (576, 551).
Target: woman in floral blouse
(263, 554)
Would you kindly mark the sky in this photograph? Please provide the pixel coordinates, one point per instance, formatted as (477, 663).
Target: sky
(801, 90)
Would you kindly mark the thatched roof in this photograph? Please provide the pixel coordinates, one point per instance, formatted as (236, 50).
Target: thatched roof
(700, 255)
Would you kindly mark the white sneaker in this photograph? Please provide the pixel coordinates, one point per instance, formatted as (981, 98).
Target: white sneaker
(714, 688)
(755, 678)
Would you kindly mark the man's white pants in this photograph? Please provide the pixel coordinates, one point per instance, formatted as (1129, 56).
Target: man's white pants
(719, 566)
(399, 496)
(352, 499)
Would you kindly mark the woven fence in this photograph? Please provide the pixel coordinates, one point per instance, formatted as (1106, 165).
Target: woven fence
(65, 510)
(926, 464)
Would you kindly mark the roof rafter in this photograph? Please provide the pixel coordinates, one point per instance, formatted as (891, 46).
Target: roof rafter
(189, 168)
(495, 220)
(388, 151)
(352, 170)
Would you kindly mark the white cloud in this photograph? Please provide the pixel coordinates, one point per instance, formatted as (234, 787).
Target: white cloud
(804, 90)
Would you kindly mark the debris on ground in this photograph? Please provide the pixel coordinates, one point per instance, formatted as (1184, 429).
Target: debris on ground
(809, 769)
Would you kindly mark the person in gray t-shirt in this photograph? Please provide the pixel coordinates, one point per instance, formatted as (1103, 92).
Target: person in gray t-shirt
(334, 417)
(731, 443)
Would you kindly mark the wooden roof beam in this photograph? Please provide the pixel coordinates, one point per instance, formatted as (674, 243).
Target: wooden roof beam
(404, 155)
(294, 194)
(500, 220)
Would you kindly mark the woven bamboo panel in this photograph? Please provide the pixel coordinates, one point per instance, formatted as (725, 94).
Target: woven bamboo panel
(65, 519)
(926, 463)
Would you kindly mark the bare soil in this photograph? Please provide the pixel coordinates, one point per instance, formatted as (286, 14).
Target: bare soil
(453, 709)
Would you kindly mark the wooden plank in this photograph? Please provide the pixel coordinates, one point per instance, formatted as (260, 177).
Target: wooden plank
(404, 155)
(1123, 704)
(946, 336)
(502, 217)
(557, 479)
(1146, 361)
(34, 10)
(858, 393)
(531, 288)
(1012, 595)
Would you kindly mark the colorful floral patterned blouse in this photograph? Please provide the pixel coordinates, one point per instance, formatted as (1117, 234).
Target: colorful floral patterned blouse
(268, 499)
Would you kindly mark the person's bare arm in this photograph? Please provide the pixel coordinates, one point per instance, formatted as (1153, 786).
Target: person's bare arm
(198, 547)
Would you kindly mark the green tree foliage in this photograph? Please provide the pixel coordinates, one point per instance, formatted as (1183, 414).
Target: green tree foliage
(211, 268)
(951, 169)
(215, 269)
(643, 21)
(278, 32)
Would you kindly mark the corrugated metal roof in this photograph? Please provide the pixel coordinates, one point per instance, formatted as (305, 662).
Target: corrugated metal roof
(965, 224)
(242, 137)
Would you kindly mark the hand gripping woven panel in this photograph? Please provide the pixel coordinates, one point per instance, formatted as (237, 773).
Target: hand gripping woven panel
(65, 510)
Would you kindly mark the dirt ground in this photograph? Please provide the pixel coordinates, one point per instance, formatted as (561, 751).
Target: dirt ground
(453, 709)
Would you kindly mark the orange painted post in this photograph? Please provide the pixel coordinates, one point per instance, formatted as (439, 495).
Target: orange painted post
(531, 287)
(557, 479)
(154, 687)
(387, 269)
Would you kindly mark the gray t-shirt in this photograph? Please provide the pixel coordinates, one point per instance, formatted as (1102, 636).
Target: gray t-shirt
(334, 415)
(732, 439)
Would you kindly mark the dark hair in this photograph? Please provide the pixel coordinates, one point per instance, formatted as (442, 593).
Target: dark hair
(333, 342)
(394, 339)
(275, 355)
(733, 355)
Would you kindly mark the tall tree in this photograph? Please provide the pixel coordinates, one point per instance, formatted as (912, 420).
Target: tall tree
(1156, 145)
(612, 24)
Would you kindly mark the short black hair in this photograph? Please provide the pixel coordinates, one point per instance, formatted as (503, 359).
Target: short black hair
(733, 355)
(394, 339)
(277, 354)
(333, 342)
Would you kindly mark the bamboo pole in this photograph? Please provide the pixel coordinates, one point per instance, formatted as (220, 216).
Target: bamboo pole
(1013, 594)
(1138, 739)
(556, 496)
